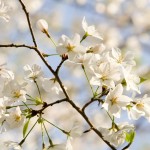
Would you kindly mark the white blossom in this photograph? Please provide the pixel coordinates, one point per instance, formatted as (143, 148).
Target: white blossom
(97, 49)
(10, 145)
(132, 80)
(126, 59)
(68, 144)
(140, 107)
(90, 30)
(106, 74)
(3, 11)
(115, 100)
(15, 119)
(42, 25)
(2, 108)
(6, 74)
(33, 73)
(116, 135)
(51, 85)
(14, 91)
(70, 47)
(76, 130)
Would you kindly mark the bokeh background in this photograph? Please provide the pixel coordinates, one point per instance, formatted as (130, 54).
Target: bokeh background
(122, 23)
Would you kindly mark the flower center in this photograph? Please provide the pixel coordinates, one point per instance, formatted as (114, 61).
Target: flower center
(16, 94)
(120, 60)
(70, 47)
(114, 101)
(17, 118)
(140, 105)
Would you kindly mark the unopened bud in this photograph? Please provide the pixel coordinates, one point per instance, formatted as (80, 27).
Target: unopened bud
(42, 25)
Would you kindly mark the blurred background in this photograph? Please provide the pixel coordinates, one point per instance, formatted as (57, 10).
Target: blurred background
(122, 23)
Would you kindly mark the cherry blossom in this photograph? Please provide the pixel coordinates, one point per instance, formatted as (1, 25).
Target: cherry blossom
(70, 47)
(3, 11)
(15, 118)
(139, 107)
(10, 145)
(106, 74)
(33, 73)
(42, 25)
(126, 59)
(90, 30)
(115, 100)
(117, 134)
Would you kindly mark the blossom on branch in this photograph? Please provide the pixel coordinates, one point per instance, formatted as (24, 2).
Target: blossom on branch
(90, 30)
(70, 46)
(10, 145)
(33, 73)
(116, 135)
(3, 11)
(42, 25)
(115, 100)
(14, 91)
(139, 107)
(15, 119)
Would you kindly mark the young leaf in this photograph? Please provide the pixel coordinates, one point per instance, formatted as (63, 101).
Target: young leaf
(142, 79)
(130, 136)
(25, 128)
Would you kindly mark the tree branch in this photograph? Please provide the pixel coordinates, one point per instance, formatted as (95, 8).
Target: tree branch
(57, 77)
(127, 146)
(28, 20)
(64, 91)
(17, 46)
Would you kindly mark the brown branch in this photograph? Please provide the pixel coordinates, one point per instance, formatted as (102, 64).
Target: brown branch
(90, 124)
(45, 105)
(28, 20)
(88, 103)
(68, 99)
(57, 77)
(127, 146)
(60, 64)
(17, 46)
(64, 91)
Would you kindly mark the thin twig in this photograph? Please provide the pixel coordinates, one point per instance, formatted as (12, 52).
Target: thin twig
(17, 46)
(127, 146)
(65, 93)
(58, 79)
(88, 103)
(59, 66)
(28, 20)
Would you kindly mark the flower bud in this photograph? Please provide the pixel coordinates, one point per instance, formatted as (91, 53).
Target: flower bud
(42, 25)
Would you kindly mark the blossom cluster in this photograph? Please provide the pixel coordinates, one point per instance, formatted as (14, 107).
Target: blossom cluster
(110, 74)
(112, 70)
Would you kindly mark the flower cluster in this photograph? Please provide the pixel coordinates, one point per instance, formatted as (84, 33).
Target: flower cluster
(11, 93)
(109, 72)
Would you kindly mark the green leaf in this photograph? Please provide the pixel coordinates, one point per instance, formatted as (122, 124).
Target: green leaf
(142, 79)
(130, 136)
(25, 128)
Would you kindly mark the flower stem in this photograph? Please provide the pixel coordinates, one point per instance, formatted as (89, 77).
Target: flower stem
(23, 140)
(50, 140)
(56, 127)
(88, 80)
(38, 89)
